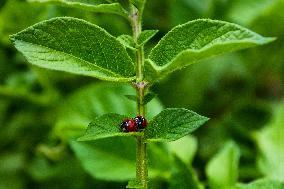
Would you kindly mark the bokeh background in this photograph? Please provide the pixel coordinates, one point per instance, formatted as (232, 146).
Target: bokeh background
(42, 112)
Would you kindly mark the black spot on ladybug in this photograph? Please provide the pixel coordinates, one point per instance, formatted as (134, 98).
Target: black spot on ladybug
(141, 122)
(128, 125)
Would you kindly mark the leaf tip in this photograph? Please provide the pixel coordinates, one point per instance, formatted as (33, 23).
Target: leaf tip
(205, 119)
(269, 39)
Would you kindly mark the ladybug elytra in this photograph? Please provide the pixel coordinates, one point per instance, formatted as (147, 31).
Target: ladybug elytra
(128, 125)
(133, 125)
(141, 122)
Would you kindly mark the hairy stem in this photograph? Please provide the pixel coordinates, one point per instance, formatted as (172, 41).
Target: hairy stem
(141, 151)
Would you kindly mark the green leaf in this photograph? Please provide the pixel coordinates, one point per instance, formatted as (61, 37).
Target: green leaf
(183, 177)
(75, 46)
(94, 100)
(197, 40)
(107, 159)
(222, 169)
(270, 143)
(172, 124)
(131, 97)
(139, 4)
(127, 41)
(94, 5)
(114, 159)
(145, 36)
(52, 170)
(261, 184)
(184, 148)
(80, 108)
(107, 125)
(134, 184)
(148, 97)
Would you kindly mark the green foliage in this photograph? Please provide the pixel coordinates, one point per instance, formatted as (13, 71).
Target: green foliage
(222, 170)
(183, 10)
(82, 107)
(270, 142)
(184, 148)
(12, 11)
(183, 177)
(53, 171)
(191, 89)
(145, 36)
(237, 91)
(172, 124)
(169, 125)
(100, 99)
(245, 12)
(68, 48)
(148, 97)
(261, 184)
(131, 97)
(2, 3)
(111, 159)
(11, 164)
(127, 41)
(196, 40)
(139, 4)
(107, 125)
(94, 6)
(114, 159)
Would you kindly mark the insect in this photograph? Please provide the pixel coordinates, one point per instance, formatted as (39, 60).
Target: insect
(128, 125)
(141, 122)
(133, 125)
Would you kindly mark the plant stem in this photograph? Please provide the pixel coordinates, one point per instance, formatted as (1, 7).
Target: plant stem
(141, 151)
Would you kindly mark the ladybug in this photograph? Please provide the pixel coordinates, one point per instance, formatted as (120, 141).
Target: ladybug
(141, 122)
(128, 125)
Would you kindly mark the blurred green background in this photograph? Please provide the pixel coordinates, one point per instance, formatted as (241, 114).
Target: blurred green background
(42, 112)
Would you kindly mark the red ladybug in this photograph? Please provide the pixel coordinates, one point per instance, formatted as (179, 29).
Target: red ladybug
(141, 122)
(128, 125)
